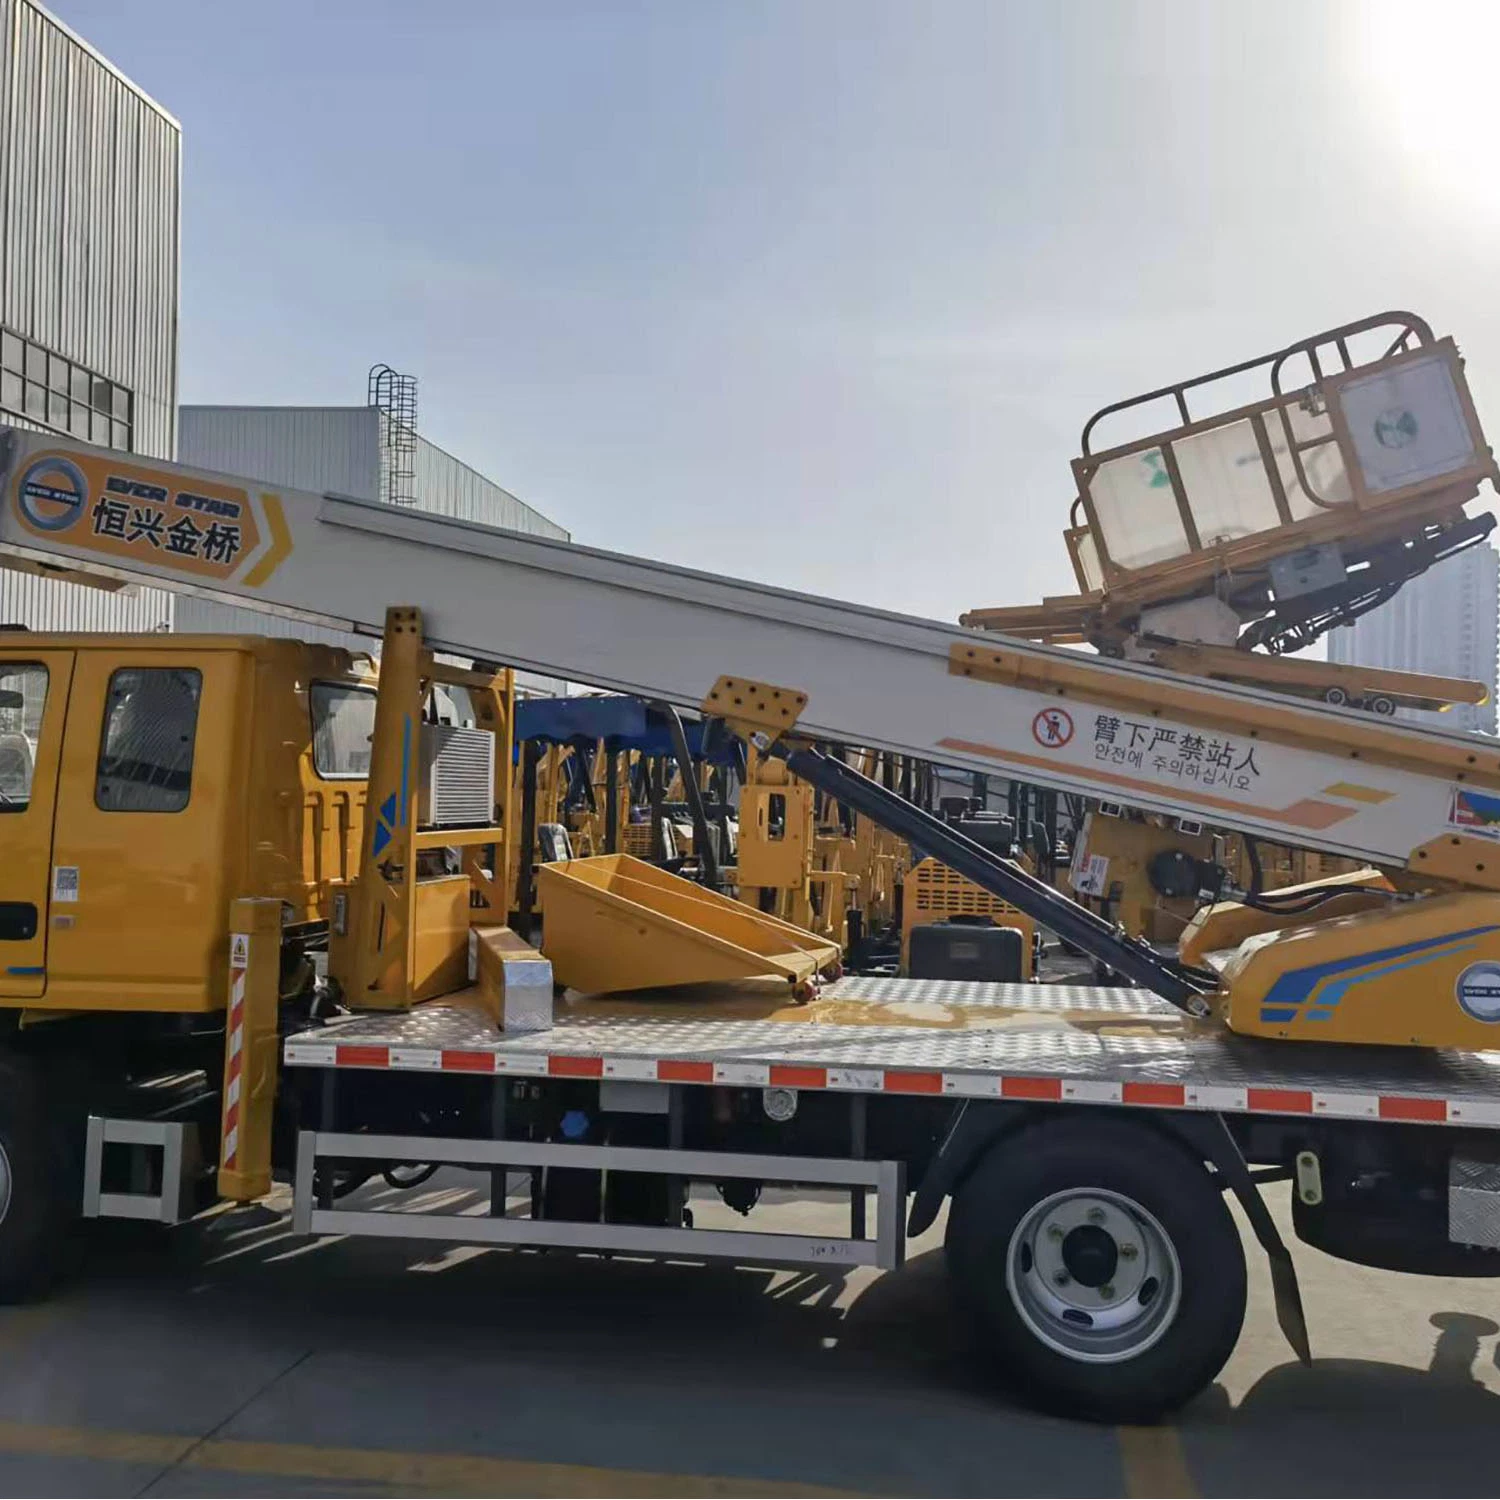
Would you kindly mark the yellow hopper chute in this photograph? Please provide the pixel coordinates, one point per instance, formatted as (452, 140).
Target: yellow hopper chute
(617, 923)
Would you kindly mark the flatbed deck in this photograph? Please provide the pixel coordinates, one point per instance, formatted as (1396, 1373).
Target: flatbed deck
(1059, 1043)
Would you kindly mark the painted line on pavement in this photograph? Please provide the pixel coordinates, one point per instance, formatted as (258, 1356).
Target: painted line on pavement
(441, 1473)
(1154, 1463)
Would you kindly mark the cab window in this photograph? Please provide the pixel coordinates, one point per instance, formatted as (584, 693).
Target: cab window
(343, 726)
(150, 724)
(23, 696)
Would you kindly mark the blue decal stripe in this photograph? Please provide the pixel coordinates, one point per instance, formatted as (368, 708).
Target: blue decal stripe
(1295, 986)
(26, 969)
(1340, 987)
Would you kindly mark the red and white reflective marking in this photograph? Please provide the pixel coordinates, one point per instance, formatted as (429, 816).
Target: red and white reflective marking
(1261, 1099)
(234, 1071)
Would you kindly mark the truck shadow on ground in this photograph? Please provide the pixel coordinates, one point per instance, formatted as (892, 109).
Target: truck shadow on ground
(258, 1276)
(724, 1333)
(1351, 1426)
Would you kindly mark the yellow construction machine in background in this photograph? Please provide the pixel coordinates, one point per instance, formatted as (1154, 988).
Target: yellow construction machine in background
(811, 865)
(1148, 873)
(933, 893)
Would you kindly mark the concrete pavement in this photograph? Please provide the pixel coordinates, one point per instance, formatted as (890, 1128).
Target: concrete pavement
(234, 1359)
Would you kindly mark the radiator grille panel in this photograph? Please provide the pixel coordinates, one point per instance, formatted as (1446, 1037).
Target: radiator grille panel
(458, 776)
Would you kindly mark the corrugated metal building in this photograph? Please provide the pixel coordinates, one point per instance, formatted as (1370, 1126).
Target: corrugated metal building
(333, 449)
(90, 183)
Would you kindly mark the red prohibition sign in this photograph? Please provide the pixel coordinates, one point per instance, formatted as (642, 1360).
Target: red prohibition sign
(1052, 728)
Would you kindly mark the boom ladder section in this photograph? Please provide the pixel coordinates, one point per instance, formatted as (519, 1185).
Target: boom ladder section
(1310, 776)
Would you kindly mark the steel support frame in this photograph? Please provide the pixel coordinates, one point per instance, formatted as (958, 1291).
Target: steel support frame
(887, 1178)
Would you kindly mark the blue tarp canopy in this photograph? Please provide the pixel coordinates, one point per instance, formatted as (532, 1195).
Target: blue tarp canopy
(622, 723)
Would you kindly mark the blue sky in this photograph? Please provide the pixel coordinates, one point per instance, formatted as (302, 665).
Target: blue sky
(819, 292)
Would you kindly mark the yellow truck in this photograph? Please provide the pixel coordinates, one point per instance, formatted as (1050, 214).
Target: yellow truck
(254, 926)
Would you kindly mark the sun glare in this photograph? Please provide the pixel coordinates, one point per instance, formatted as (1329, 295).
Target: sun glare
(1425, 78)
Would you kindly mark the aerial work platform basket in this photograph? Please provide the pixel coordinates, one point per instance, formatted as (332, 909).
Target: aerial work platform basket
(1262, 522)
(616, 923)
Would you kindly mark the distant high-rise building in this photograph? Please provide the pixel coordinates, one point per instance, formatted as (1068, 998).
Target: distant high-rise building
(1445, 623)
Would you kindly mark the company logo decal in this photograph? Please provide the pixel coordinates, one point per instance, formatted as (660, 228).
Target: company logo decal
(53, 494)
(1395, 427)
(1478, 991)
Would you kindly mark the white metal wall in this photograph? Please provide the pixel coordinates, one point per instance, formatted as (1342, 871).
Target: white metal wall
(90, 179)
(449, 487)
(90, 172)
(318, 448)
(332, 448)
(337, 448)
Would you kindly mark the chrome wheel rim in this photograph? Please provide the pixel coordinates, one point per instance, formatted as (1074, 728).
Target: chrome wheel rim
(1094, 1275)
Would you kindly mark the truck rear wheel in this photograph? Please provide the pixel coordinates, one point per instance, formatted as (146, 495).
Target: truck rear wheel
(35, 1206)
(1099, 1268)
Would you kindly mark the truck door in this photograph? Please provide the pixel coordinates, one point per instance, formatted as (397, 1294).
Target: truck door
(155, 752)
(34, 687)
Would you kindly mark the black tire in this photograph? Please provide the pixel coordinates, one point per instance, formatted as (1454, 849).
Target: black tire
(1382, 705)
(38, 1201)
(1131, 1162)
(1337, 696)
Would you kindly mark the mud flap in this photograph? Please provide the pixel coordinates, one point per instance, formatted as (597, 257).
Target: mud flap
(1211, 1135)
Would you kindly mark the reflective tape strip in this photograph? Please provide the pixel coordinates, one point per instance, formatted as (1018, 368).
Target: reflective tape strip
(234, 1066)
(1216, 1097)
(860, 1080)
(458, 1061)
(522, 1064)
(1279, 1101)
(640, 1069)
(309, 1054)
(1154, 1095)
(352, 1055)
(901, 1081)
(684, 1072)
(745, 1075)
(1045, 1090)
(569, 1066)
(972, 1085)
(1091, 1091)
(790, 1076)
(421, 1058)
(1347, 1106)
(1256, 1098)
(1474, 1112)
(1428, 1111)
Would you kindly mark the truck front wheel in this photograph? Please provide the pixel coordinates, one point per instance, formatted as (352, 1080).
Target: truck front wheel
(1099, 1268)
(36, 1208)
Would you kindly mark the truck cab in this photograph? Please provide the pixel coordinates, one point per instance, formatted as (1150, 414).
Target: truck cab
(145, 782)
